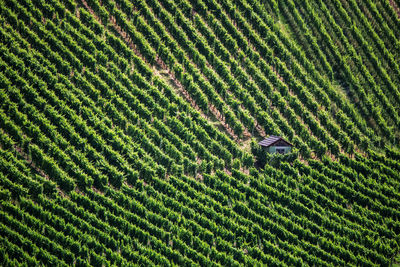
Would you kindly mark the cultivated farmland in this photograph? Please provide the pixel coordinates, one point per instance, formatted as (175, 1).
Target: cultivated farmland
(129, 131)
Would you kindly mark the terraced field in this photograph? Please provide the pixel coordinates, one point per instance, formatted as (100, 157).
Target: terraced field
(129, 130)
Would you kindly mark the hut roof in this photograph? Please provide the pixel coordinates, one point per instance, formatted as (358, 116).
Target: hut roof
(271, 140)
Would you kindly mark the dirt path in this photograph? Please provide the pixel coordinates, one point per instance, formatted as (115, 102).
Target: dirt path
(395, 7)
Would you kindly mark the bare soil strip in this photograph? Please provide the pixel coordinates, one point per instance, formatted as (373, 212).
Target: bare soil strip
(395, 7)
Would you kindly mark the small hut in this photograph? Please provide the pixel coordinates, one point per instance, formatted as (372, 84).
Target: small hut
(276, 144)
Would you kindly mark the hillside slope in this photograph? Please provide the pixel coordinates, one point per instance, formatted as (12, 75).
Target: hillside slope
(129, 129)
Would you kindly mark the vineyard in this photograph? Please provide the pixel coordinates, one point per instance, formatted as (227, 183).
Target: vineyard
(129, 131)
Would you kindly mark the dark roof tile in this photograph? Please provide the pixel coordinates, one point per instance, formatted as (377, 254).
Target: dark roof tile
(271, 140)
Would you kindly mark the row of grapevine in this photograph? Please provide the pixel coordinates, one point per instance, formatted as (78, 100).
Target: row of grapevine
(103, 162)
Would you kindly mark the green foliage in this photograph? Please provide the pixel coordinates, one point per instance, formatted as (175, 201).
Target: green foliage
(123, 129)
